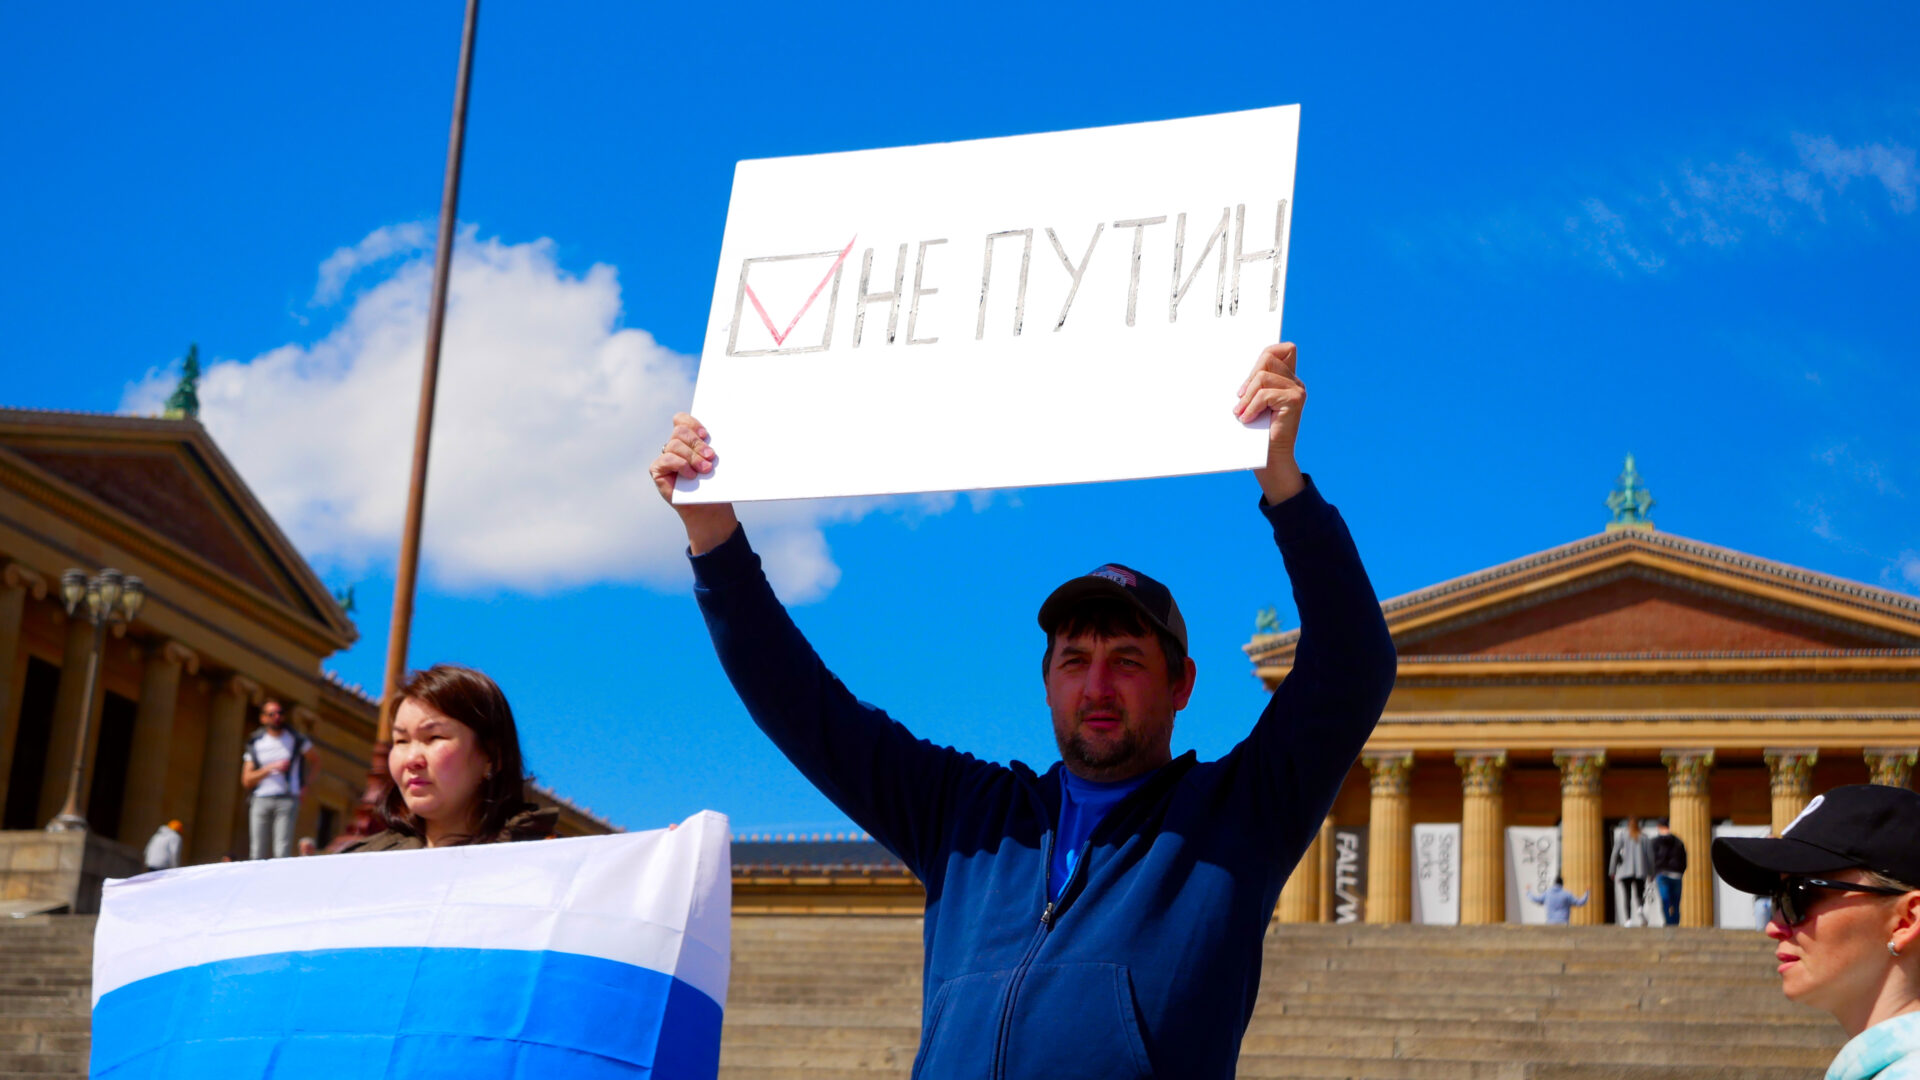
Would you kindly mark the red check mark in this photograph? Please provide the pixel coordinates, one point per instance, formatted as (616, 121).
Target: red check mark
(780, 336)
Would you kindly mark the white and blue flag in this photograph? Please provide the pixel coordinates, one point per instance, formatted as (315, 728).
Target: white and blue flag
(590, 958)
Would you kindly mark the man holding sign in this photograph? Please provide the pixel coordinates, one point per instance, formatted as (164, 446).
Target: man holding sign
(1104, 918)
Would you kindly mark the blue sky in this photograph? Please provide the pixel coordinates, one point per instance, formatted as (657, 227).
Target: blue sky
(1525, 243)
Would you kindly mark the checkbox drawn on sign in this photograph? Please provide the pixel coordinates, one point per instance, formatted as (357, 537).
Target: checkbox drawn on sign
(746, 294)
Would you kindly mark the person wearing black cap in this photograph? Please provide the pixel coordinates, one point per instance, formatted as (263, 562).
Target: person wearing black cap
(1846, 918)
(1103, 918)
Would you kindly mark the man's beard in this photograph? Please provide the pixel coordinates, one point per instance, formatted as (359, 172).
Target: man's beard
(1078, 748)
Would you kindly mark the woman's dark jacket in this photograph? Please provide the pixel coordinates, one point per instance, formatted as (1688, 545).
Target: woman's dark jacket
(531, 823)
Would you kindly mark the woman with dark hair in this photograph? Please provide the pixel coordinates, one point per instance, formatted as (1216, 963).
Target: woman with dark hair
(456, 767)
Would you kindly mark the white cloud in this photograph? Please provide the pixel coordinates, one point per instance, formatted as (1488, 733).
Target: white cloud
(547, 416)
(382, 243)
(1715, 205)
(1603, 234)
(1905, 571)
(1861, 470)
(1889, 163)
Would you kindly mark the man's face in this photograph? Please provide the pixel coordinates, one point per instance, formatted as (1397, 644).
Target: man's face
(1113, 704)
(270, 715)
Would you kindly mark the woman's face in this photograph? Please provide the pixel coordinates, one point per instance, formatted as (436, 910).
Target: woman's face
(438, 766)
(1836, 959)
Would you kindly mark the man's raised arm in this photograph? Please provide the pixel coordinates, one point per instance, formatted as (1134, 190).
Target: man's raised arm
(890, 783)
(1343, 664)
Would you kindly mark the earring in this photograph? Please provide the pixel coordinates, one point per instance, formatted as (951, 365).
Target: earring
(1893, 951)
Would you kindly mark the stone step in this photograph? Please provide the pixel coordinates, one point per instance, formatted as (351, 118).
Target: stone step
(43, 1065)
(1265, 1031)
(1467, 1048)
(58, 1023)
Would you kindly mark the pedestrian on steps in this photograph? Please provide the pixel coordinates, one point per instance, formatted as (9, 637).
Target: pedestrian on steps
(1667, 858)
(163, 851)
(1628, 869)
(1559, 902)
(1846, 919)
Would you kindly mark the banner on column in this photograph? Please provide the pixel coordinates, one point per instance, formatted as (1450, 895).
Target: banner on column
(1533, 861)
(1349, 882)
(1734, 908)
(1436, 874)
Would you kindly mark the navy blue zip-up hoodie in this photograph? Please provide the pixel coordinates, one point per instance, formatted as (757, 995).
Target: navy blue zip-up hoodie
(1149, 962)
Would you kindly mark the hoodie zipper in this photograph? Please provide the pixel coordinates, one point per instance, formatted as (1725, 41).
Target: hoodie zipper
(1049, 914)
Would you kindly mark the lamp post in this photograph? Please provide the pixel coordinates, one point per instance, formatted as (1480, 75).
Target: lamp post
(107, 597)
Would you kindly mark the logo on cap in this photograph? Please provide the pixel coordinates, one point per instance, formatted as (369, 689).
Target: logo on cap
(1114, 573)
(1811, 807)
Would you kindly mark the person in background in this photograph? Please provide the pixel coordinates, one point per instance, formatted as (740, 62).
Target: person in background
(163, 851)
(458, 777)
(309, 846)
(1844, 880)
(1628, 868)
(1559, 902)
(274, 772)
(1667, 858)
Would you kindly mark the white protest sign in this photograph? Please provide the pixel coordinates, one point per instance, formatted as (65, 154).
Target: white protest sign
(1436, 888)
(1533, 861)
(1038, 309)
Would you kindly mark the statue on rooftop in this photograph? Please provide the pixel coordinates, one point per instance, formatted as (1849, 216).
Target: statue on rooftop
(184, 402)
(1631, 502)
(1266, 621)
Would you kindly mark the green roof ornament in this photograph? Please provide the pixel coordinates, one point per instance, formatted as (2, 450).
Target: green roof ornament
(1631, 502)
(184, 402)
(1266, 621)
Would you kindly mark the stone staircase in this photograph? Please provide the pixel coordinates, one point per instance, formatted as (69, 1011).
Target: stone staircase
(837, 998)
(46, 969)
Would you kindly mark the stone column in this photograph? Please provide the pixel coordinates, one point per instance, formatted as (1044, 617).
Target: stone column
(1390, 838)
(1583, 851)
(16, 584)
(1792, 784)
(212, 824)
(1892, 766)
(1300, 896)
(1483, 862)
(67, 703)
(142, 811)
(1687, 814)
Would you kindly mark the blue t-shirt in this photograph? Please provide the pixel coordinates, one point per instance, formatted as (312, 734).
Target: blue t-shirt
(1082, 804)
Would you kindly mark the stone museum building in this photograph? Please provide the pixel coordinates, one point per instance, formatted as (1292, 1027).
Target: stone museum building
(232, 615)
(1632, 673)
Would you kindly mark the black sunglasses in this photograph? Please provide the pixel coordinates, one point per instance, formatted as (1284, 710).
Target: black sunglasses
(1793, 897)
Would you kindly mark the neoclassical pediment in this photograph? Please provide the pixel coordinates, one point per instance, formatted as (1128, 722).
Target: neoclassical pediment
(1635, 593)
(163, 488)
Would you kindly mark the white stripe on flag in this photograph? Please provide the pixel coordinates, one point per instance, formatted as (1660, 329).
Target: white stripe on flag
(659, 900)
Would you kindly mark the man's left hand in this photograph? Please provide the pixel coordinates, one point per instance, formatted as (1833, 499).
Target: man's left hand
(1274, 390)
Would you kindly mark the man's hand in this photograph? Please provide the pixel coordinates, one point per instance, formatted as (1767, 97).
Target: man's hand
(687, 454)
(1274, 389)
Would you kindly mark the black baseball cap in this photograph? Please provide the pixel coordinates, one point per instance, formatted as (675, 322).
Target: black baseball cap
(1113, 581)
(1869, 826)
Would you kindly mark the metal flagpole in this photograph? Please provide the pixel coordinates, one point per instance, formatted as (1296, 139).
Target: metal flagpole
(378, 781)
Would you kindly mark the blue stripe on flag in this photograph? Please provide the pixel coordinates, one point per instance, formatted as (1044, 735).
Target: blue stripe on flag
(408, 1012)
